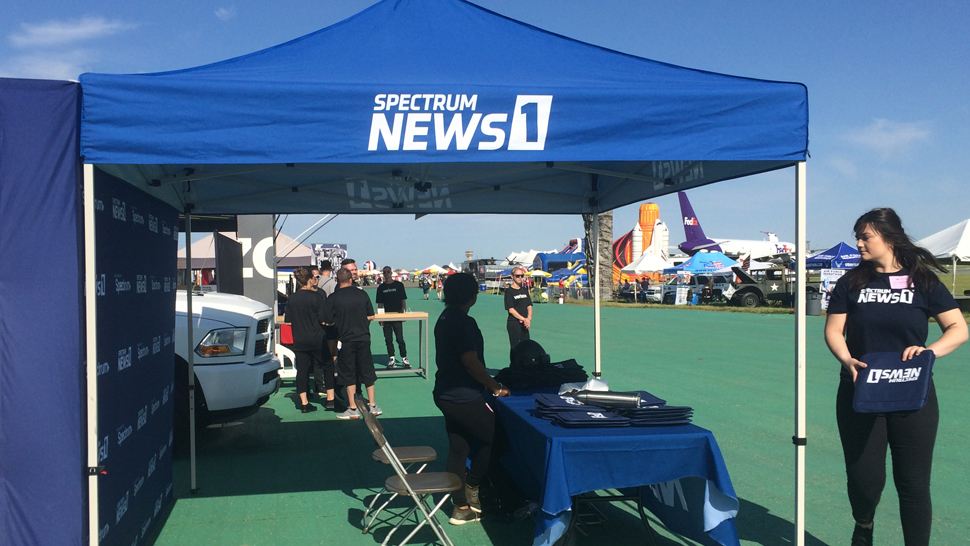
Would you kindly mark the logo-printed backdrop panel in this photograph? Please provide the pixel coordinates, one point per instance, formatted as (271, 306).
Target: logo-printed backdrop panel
(137, 238)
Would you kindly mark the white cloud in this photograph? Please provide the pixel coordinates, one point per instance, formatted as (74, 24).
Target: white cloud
(62, 66)
(844, 167)
(889, 138)
(224, 14)
(54, 33)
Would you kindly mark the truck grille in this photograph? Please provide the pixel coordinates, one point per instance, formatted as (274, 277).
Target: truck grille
(261, 346)
(262, 326)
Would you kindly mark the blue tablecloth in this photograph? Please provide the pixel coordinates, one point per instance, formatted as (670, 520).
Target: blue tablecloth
(690, 490)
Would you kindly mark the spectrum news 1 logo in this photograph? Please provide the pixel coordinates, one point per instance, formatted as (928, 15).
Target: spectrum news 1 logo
(419, 119)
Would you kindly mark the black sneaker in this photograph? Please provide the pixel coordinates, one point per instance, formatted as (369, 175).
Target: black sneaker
(861, 536)
(307, 408)
(471, 495)
(329, 405)
(461, 517)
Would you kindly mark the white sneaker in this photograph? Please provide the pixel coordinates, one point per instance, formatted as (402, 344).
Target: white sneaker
(391, 362)
(349, 414)
(404, 362)
(375, 411)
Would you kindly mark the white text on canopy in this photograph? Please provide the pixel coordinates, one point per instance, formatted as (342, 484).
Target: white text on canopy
(419, 119)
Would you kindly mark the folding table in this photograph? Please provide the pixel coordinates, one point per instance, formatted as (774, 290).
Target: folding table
(687, 483)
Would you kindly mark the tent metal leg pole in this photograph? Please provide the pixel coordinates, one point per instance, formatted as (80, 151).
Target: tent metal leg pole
(954, 291)
(91, 349)
(801, 288)
(193, 486)
(596, 291)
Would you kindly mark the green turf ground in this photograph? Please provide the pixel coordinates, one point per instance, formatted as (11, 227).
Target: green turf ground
(286, 478)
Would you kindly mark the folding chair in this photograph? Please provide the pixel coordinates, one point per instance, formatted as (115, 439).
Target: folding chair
(419, 487)
(409, 456)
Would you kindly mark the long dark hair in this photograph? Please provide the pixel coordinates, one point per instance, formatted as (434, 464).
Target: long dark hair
(915, 259)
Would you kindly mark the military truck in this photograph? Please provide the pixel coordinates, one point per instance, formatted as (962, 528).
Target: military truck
(765, 286)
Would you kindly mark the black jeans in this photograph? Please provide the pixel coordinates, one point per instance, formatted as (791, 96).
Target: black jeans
(471, 424)
(517, 331)
(911, 437)
(397, 330)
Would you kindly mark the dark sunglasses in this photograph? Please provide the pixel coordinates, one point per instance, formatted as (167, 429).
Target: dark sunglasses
(518, 276)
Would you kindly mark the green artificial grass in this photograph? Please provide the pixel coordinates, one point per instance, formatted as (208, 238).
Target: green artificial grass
(287, 477)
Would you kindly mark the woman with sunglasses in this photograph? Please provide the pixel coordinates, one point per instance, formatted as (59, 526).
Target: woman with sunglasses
(518, 303)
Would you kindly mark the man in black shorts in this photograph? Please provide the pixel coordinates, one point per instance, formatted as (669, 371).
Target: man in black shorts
(392, 299)
(519, 305)
(350, 310)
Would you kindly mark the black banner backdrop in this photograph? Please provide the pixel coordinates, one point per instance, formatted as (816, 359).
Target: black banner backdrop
(137, 239)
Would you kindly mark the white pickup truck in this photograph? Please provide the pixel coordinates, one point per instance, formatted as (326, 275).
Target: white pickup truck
(236, 370)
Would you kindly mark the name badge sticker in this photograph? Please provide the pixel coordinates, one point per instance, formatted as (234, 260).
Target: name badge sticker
(899, 282)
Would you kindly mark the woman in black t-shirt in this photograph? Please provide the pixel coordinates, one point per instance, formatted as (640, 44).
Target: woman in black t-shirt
(459, 384)
(882, 305)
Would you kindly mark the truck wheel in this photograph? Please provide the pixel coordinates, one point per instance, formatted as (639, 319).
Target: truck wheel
(669, 299)
(749, 299)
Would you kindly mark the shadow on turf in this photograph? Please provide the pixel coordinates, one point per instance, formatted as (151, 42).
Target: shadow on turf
(757, 524)
(266, 455)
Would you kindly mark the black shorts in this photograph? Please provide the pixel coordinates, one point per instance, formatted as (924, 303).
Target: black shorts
(355, 364)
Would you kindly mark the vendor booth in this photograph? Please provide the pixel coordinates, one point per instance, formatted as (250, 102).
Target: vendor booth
(359, 118)
(840, 256)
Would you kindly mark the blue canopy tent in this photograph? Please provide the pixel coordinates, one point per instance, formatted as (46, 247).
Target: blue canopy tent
(439, 106)
(840, 256)
(703, 262)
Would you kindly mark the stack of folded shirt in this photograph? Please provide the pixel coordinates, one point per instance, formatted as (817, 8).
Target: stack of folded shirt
(565, 410)
(658, 416)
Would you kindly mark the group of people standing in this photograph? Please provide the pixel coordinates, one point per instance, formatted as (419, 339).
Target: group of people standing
(319, 319)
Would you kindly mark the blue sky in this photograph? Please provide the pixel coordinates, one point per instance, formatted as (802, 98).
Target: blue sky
(887, 84)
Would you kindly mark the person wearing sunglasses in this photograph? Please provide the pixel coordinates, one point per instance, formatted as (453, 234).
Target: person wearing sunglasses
(518, 303)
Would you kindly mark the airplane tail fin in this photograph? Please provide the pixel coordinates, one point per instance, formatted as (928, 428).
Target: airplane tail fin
(692, 228)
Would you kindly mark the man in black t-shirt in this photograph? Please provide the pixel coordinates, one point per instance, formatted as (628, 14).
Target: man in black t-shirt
(392, 298)
(519, 305)
(350, 310)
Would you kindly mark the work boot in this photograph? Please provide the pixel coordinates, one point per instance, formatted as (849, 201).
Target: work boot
(471, 495)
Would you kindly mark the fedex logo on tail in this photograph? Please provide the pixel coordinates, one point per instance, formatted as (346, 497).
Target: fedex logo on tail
(690, 221)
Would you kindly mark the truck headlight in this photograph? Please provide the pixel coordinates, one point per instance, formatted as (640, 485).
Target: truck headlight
(227, 342)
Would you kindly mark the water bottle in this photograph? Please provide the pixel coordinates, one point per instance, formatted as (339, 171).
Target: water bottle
(609, 399)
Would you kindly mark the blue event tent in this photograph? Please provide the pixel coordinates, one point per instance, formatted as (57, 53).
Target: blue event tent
(438, 106)
(435, 106)
(840, 256)
(703, 262)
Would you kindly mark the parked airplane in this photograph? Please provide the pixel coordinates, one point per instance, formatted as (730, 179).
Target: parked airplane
(696, 240)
